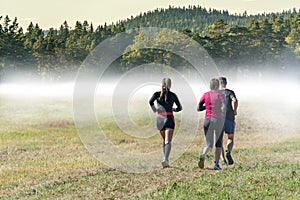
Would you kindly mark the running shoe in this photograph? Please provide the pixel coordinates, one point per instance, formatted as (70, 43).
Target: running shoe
(165, 164)
(229, 158)
(217, 167)
(201, 162)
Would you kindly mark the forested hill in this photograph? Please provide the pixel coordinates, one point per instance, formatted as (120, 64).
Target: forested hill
(235, 42)
(195, 18)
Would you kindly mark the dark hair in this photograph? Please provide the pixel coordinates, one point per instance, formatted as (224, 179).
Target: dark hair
(214, 84)
(165, 85)
(223, 81)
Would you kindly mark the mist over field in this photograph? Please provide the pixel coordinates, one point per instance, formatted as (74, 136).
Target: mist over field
(276, 99)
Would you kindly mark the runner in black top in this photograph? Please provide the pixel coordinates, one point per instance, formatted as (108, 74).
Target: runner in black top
(231, 110)
(165, 120)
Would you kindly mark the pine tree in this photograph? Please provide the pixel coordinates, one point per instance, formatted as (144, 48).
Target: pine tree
(293, 39)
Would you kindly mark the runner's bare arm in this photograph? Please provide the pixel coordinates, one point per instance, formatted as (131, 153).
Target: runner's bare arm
(234, 105)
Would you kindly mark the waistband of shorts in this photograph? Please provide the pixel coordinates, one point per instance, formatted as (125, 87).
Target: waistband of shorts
(165, 114)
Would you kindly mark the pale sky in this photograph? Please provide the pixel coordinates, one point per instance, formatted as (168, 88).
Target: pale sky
(53, 13)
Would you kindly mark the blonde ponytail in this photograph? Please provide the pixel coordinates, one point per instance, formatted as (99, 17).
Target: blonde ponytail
(165, 88)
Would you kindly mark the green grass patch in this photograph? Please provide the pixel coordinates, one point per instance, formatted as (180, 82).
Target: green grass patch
(258, 174)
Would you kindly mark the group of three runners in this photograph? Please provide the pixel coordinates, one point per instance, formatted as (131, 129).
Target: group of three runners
(220, 104)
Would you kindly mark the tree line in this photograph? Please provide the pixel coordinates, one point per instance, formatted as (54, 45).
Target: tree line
(196, 18)
(265, 41)
(48, 53)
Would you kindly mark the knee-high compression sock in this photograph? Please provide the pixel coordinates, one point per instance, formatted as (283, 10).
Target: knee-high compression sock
(167, 151)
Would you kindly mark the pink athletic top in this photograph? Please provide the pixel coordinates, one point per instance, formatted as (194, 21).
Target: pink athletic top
(213, 104)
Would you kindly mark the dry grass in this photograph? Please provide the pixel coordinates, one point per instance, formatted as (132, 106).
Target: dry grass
(42, 157)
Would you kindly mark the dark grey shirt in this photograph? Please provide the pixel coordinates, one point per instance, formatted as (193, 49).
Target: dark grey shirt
(229, 95)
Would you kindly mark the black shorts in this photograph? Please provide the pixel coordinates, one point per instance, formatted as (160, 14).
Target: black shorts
(163, 123)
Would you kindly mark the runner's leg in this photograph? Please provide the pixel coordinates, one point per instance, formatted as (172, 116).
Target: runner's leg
(230, 141)
(163, 135)
(168, 143)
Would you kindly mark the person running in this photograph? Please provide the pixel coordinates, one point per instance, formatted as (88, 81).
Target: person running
(231, 103)
(213, 102)
(165, 120)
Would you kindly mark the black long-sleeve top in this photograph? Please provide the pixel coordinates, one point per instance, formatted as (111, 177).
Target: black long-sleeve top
(162, 105)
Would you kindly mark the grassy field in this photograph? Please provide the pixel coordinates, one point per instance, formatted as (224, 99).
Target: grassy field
(42, 157)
